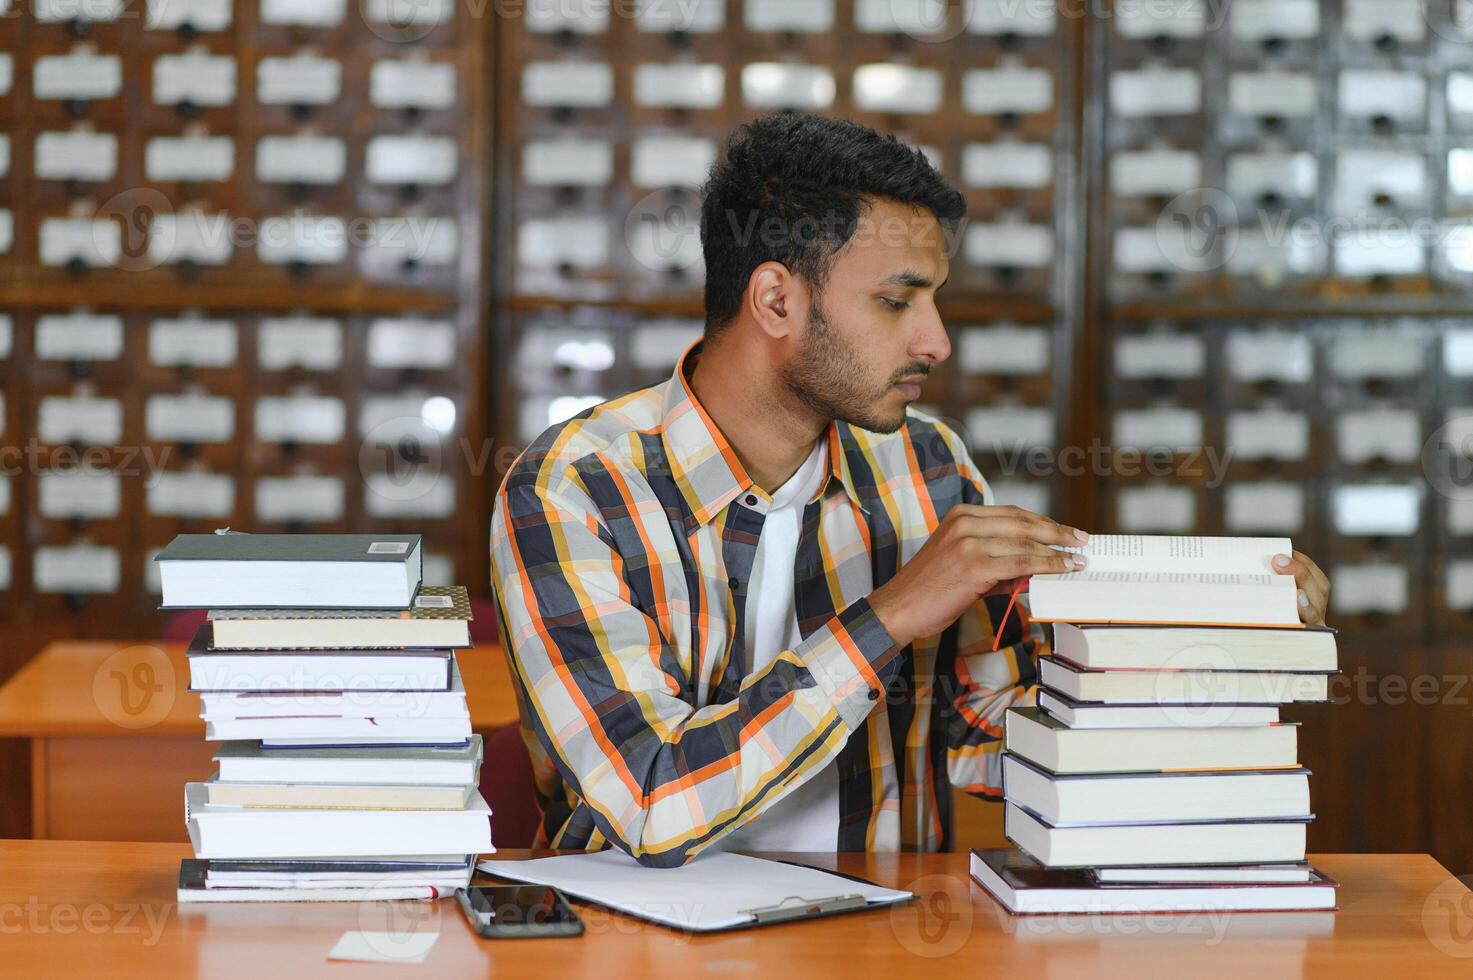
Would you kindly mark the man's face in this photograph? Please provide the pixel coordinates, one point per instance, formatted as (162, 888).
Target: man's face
(874, 333)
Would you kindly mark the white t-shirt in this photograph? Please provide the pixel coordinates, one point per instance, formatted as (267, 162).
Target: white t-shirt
(807, 819)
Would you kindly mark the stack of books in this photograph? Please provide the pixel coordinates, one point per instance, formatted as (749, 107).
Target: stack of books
(347, 766)
(1155, 772)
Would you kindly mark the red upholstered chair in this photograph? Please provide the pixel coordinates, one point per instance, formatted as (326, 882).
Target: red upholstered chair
(506, 783)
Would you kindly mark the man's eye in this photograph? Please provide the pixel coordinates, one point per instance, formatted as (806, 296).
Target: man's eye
(894, 304)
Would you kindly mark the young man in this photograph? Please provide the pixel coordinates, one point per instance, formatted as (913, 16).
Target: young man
(754, 606)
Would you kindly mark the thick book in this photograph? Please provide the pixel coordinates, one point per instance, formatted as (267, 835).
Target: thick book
(359, 703)
(404, 669)
(377, 571)
(337, 796)
(1211, 874)
(1046, 743)
(1087, 846)
(1132, 578)
(440, 616)
(195, 887)
(237, 832)
(1092, 714)
(1196, 647)
(1182, 686)
(330, 730)
(1024, 887)
(441, 873)
(247, 762)
(1154, 797)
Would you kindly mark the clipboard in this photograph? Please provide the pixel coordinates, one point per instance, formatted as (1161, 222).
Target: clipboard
(625, 887)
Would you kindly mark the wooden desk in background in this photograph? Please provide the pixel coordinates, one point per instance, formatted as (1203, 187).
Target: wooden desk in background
(115, 735)
(70, 908)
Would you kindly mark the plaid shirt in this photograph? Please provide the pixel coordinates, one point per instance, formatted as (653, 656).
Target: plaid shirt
(620, 551)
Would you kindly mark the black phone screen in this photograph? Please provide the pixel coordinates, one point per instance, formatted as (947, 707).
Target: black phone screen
(525, 909)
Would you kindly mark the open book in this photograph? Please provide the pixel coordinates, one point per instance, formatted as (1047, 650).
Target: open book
(1171, 579)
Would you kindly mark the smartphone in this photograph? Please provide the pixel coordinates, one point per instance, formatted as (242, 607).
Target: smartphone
(518, 911)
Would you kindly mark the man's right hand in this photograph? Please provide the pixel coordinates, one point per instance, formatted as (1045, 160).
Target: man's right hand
(976, 551)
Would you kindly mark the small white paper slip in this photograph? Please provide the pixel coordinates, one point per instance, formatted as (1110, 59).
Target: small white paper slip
(567, 161)
(7, 73)
(1165, 427)
(1156, 91)
(190, 236)
(303, 13)
(1377, 354)
(1010, 428)
(1164, 171)
(808, 16)
(717, 890)
(1251, 175)
(301, 159)
(96, 11)
(76, 155)
(76, 568)
(387, 497)
(1370, 587)
(690, 16)
(671, 161)
(1367, 20)
(1255, 20)
(411, 159)
(889, 87)
(193, 494)
(191, 158)
(1272, 93)
(917, 18)
(412, 84)
(1366, 93)
(1270, 355)
(1264, 508)
(1458, 585)
(994, 17)
(313, 343)
(81, 75)
(1010, 88)
(1004, 348)
(1009, 244)
(393, 241)
(304, 497)
(402, 13)
(309, 238)
(198, 78)
(1160, 509)
(301, 79)
(202, 15)
(1008, 164)
(1160, 355)
(92, 242)
(192, 342)
(1152, 20)
(779, 85)
(1377, 509)
(545, 243)
(384, 947)
(1363, 176)
(304, 418)
(575, 84)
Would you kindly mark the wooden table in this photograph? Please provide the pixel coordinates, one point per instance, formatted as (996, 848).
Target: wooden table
(80, 908)
(115, 734)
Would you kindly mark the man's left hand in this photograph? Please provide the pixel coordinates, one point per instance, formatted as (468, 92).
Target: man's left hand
(1314, 587)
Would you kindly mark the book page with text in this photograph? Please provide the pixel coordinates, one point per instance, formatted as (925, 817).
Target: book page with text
(1181, 553)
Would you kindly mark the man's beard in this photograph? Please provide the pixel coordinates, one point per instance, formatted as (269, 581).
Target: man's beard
(827, 376)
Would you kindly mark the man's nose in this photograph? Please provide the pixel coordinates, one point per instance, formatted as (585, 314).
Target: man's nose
(930, 343)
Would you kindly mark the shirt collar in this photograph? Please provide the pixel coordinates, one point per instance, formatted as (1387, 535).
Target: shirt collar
(703, 463)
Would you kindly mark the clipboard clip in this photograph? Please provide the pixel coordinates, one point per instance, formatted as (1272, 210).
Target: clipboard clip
(798, 907)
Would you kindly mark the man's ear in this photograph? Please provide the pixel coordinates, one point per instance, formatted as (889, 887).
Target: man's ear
(774, 300)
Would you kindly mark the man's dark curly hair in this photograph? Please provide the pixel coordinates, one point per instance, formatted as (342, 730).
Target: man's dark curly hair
(791, 188)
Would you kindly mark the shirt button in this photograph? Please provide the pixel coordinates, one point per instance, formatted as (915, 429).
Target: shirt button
(751, 500)
(874, 694)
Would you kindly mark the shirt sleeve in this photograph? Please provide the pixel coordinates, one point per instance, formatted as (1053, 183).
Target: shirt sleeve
(662, 778)
(986, 682)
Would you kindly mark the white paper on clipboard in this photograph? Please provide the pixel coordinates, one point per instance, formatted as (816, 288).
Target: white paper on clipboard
(712, 892)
